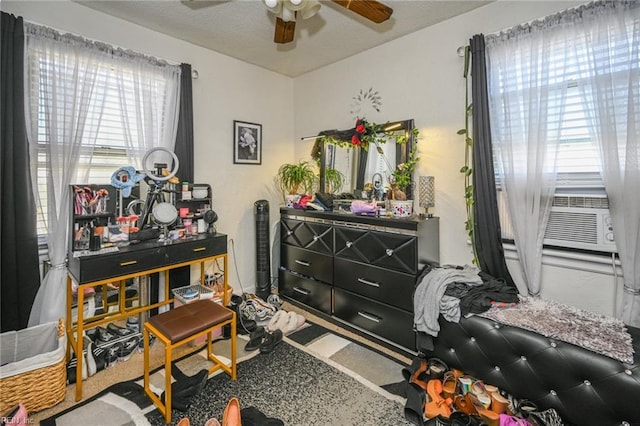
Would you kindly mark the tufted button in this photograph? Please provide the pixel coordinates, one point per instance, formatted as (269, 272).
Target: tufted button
(552, 392)
(587, 383)
(496, 368)
(349, 244)
(625, 424)
(523, 358)
(628, 372)
(473, 339)
(496, 325)
(554, 344)
(452, 350)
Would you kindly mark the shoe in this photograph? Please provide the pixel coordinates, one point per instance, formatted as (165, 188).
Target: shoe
(277, 321)
(184, 422)
(417, 377)
(449, 384)
(487, 416)
(127, 348)
(99, 357)
(407, 372)
(111, 354)
(190, 386)
(231, 413)
(212, 422)
(90, 361)
(17, 416)
(499, 403)
(437, 369)
(437, 405)
(71, 370)
(271, 341)
(103, 335)
(255, 339)
(414, 407)
(116, 330)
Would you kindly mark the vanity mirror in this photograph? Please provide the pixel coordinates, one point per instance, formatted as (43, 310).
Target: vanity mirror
(364, 172)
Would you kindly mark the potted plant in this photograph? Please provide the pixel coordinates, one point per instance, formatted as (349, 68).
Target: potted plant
(294, 178)
(334, 180)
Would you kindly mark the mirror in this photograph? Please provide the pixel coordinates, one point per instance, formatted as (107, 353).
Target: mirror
(348, 169)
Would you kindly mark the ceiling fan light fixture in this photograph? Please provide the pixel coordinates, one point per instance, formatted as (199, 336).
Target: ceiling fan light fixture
(274, 6)
(311, 7)
(294, 4)
(287, 15)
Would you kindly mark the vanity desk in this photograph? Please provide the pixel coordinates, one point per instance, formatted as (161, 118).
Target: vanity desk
(357, 270)
(114, 267)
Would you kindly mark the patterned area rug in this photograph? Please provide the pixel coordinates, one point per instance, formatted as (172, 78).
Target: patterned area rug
(312, 377)
(598, 333)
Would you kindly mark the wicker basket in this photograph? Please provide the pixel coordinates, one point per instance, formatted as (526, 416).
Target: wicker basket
(40, 388)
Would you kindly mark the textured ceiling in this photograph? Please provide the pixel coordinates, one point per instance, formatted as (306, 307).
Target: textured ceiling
(244, 29)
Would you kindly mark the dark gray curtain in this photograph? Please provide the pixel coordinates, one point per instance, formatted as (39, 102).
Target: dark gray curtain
(19, 248)
(184, 137)
(487, 235)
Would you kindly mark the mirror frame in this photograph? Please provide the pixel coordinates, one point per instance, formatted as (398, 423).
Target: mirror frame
(402, 153)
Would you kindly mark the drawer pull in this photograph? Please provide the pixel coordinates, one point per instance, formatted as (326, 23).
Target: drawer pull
(389, 252)
(289, 232)
(349, 244)
(199, 249)
(367, 282)
(369, 317)
(315, 238)
(131, 262)
(302, 262)
(302, 291)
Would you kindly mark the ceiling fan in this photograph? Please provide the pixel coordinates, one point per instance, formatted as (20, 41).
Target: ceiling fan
(287, 11)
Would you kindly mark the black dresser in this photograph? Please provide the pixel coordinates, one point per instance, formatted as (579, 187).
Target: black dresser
(358, 270)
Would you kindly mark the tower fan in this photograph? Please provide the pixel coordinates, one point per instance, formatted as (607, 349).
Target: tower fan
(263, 259)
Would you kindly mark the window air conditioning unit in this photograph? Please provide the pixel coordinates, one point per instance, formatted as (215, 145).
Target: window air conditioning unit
(581, 222)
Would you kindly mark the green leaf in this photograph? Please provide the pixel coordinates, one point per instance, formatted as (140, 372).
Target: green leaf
(468, 171)
(462, 132)
(464, 169)
(469, 141)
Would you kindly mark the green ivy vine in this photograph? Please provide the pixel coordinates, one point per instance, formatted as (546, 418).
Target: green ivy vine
(467, 169)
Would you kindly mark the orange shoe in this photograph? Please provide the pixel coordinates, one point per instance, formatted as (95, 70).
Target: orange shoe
(420, 371)
(437, 405)
(449, 385)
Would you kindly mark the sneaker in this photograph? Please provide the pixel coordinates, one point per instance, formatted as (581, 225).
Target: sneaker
(90, 361)
(71, 370)
(116, 330)
(127, 349)
(111, 354)
(99, 357)
(103, 335)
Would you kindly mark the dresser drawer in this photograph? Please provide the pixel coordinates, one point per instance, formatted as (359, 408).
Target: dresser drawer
(317, 237)
(195, 249)
(384, 249)
(111, 265)
(307, 291)
(306, 262)
(385, 321)
(383, 285)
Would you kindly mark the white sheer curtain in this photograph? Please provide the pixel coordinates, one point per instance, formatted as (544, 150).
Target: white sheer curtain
(68, 89)
(608, 50)
(67, 95)
(149, 97)
(526, 100)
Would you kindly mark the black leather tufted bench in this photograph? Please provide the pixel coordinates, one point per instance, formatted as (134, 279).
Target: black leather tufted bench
(585, 388)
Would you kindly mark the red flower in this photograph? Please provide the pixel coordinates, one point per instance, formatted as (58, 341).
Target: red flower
(360, 128)
(355, 140)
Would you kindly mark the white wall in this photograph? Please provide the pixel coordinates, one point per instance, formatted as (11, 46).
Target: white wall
(420, 76)
(227, 89)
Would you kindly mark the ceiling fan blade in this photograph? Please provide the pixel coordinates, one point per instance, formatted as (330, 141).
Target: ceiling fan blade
(284, 31)
(370, 9)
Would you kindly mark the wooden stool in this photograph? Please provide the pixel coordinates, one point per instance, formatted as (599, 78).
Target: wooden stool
(179, 326)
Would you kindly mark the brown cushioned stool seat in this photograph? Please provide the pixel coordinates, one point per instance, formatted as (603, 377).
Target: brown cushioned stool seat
(179, 326)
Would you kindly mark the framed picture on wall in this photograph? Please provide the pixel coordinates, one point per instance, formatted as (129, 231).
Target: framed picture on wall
(247, 143)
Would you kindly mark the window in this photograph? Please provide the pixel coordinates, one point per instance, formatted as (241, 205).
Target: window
(125, 110)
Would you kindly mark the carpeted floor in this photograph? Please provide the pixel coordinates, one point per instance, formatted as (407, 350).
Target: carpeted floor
(315, 376)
